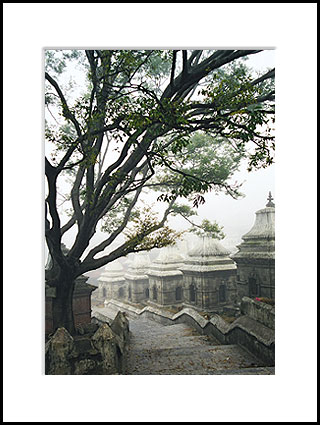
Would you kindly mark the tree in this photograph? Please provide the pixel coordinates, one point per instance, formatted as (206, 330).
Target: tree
(178, 122)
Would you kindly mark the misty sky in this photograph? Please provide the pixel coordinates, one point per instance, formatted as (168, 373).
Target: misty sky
(236, 216)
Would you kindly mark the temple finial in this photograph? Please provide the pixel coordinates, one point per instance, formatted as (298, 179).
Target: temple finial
(270, 203)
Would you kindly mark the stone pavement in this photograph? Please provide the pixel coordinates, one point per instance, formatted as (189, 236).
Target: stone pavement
(155, 349)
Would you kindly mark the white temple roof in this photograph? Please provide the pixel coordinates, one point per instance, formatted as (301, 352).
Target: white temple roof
(208, 255)
(169, 255)
(112, 272)
(264, 226)
(139, 266)
(259, 242)
(167, 263)
(208, 247)
(141, 260)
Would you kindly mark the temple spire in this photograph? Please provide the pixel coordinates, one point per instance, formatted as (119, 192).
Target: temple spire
(270, 203)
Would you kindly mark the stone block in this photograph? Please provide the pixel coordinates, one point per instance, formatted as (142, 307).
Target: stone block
(120, 325)
(106, 342)
(58, 351)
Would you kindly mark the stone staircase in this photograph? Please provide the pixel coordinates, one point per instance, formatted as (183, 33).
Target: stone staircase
(155, 349)
(178, 349)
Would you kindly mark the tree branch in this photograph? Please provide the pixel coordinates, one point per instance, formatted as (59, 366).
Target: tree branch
(197, 72)
(75, 195)
(51, 199)
(93, 67)
(124, 249)
(185, 64)
(116, 233)
(195, 56)
(173, 67)
(65, 109)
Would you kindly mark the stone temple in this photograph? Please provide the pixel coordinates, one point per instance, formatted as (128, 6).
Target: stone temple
(256, 256)
(112, 281)
(166, 278)
(207, 278)
(137, 281)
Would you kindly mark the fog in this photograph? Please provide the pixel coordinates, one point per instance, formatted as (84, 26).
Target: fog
(236, 216)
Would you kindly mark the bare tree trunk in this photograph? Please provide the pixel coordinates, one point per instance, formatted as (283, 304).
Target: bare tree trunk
(62, 309)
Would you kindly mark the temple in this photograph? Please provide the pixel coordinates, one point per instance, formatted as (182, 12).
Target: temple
(209, 276)
(256, 256)
(206, 278)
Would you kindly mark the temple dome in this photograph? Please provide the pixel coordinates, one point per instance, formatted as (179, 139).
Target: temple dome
(141, 261)
(112, 272)
(208, 247)
(208, 255)
(167, 263)
(259, 242)
(169, 255)
(264, 226)
(138, 267)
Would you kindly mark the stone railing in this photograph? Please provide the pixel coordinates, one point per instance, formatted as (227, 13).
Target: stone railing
(100, 349)
(245, 330)
(258, 310)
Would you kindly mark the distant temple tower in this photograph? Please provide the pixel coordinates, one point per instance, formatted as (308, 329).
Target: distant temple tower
(209, 276)
(165, 280)
(256, 256)
(112, 282)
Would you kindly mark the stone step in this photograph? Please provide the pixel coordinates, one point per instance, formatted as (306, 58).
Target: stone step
(201, 371)
(185, 360)
(156, 338)
(150, 324)
(245, 371)
(165, 330)
(141, 343)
